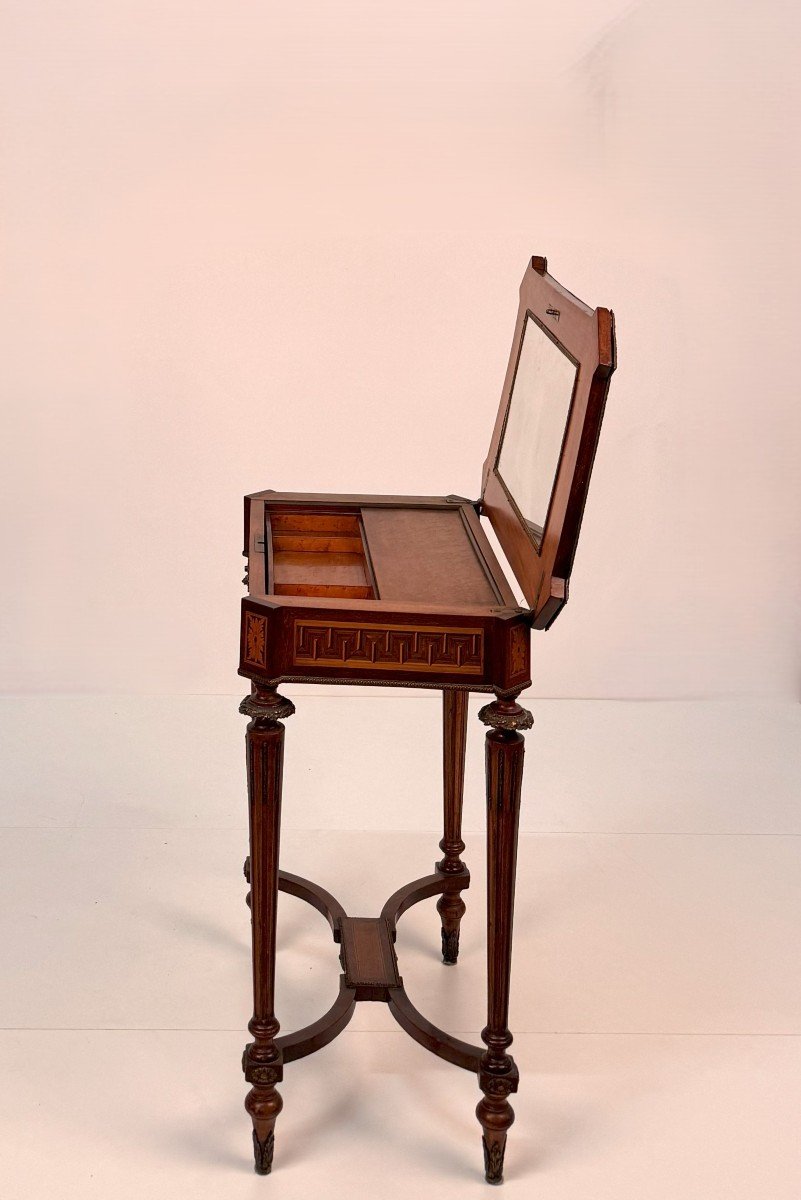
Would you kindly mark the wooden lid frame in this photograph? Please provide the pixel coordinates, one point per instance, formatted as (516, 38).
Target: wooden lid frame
(588, 337)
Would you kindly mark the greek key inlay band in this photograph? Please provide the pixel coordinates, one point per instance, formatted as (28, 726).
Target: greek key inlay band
(394, 647)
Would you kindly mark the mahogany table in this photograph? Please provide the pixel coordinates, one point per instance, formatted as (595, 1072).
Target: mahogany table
(406, 591)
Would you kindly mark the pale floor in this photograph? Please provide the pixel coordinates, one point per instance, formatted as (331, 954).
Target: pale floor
(656, 982)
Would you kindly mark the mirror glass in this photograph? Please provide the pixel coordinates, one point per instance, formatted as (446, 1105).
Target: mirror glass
(535, 425)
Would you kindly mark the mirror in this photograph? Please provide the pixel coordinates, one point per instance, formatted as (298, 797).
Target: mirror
(535, 424)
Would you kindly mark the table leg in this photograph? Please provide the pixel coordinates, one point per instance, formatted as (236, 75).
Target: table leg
(451, 906)
(261, 1060)
(497, 1072)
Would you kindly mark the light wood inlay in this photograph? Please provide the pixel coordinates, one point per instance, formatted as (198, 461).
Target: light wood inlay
(362, 647)
(255, 639)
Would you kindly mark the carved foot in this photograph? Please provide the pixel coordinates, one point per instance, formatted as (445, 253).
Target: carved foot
(496, 1115)
(494, 1150)
(263, 1153)
(451, 908)
(263, 1069)
(450, 946)
(450, 904)
(264, 1104)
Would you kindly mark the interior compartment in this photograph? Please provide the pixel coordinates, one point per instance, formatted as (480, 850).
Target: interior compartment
(319, 554)
(428, 555)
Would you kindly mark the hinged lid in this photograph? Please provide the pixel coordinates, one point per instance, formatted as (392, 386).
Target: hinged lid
(538, 468)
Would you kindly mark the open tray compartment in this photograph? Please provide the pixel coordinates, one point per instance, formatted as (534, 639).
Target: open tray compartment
(318, 554)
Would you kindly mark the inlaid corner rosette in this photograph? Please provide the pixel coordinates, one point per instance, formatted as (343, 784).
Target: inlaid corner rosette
(254, 640)
(519, 653)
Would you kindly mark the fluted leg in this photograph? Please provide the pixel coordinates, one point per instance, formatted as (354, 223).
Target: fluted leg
(451, 906)
(261, 1060)
(498, 1073)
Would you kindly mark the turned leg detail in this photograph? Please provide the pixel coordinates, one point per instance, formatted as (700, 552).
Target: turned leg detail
(451, 906)
(262, 1060)
(498, 1073)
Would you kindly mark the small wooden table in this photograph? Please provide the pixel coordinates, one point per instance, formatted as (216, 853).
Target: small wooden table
(406, 591)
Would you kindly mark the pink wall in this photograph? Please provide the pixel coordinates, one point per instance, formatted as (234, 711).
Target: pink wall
(254, 245)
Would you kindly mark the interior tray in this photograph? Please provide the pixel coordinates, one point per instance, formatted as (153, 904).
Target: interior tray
(319, 554)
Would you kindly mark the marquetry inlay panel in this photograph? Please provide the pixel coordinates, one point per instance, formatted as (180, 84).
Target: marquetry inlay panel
(255, 639)
(518, 651)
(361, 647)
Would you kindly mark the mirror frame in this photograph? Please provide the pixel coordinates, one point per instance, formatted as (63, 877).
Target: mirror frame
(536, 532)
(588, 337)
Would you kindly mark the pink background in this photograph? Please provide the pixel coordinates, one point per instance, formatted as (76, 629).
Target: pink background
(254, 245)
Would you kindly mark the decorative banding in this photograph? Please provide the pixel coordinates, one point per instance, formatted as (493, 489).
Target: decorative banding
(438, 685)
(417, 649)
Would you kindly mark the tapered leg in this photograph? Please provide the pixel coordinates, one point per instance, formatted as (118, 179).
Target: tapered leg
(450, 905)
(498, 1073)
(261, 1060)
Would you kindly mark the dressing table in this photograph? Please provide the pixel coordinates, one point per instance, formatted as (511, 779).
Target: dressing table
(406, 591)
